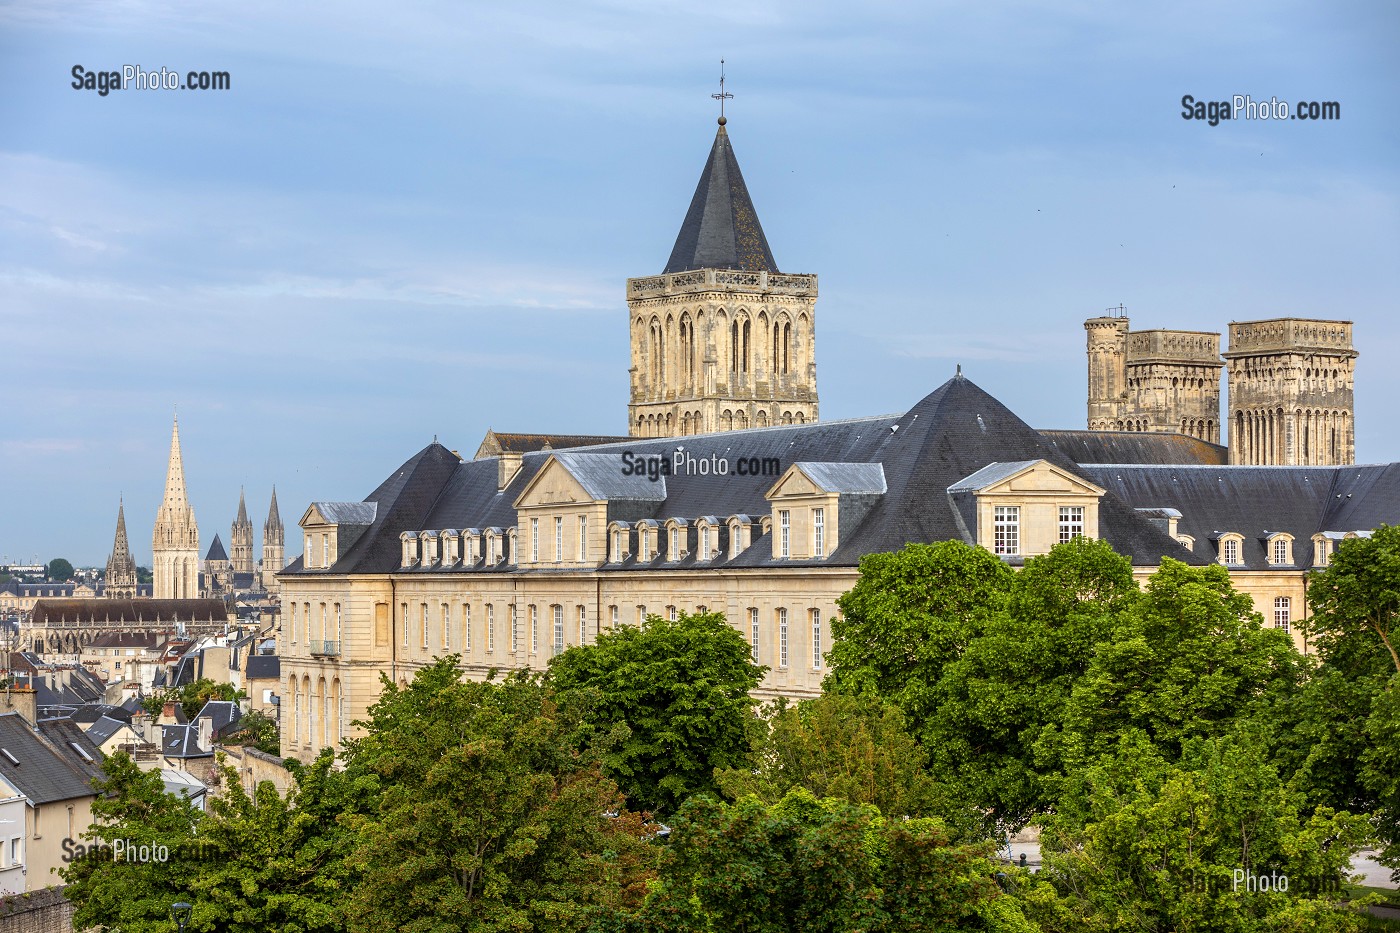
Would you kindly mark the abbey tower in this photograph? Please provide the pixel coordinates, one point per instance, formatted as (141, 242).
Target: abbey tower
(721, 339)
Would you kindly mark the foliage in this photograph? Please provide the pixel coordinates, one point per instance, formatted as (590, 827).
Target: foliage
(1189, 659)
(1014, 679)
(805, 865)
(192, 696)
(853, 748)
(1357, 598)
(910, 615)
(59, 570)
(248, 864)
(144, 575)
(490, 817)
(681, 689)
(257, 730)
(1146, 844)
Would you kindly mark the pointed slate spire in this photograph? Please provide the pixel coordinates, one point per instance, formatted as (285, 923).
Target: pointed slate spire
(120, 579)
(216, 550)
(274, 518)
(242, 510)
(721, 229)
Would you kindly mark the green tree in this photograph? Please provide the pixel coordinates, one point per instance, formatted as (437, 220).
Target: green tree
(805, 865)
(192, 696)
(1189, 659)
(681, 689)
(59, 570)
(910, 615)
(250, 863)
(490, 815)
(1142, 843)
(257, 730)
(144, 575)
(856, 749)
(1016, 675)
(1355, 602)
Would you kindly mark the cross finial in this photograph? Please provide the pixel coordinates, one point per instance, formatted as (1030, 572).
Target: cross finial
(723, 95)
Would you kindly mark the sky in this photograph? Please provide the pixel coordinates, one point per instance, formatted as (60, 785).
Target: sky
(416, 221)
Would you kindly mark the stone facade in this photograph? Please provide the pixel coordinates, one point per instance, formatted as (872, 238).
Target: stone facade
(241, 540)
(1155, 380)
(175, 542)
(120, 578)
(1291, 392)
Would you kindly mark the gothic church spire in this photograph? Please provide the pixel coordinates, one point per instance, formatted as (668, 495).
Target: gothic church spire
(175, 541)
(721, 229)
(120, 578)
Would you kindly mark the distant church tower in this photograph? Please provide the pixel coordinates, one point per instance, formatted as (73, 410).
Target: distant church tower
(175, 543)
(120, 578)
(1153, 380)
(273, 552)
(1291, 401)
(721, 339)
(241, 540)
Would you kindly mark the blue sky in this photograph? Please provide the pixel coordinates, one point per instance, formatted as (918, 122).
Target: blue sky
(417, 220)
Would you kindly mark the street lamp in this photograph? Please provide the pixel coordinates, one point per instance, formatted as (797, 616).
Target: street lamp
(180, 913)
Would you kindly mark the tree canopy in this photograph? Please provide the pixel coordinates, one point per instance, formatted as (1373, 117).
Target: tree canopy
(59, 570)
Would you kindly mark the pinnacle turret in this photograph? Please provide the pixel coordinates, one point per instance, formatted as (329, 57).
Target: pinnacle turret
(241, 540)
(120, 578)
(175, 541)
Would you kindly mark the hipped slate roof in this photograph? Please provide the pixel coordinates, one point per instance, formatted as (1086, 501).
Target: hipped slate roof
(1136, 447)
(131, 611)
(721, 229)
(950, 434)
(216, 550)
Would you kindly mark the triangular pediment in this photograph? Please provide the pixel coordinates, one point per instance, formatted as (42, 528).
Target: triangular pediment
(1033, 477)
(794, 482)
(554, 484)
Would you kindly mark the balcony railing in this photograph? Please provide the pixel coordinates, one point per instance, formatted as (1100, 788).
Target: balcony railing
(325, 648)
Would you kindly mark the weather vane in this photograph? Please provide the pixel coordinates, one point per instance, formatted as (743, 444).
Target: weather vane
(723, 95)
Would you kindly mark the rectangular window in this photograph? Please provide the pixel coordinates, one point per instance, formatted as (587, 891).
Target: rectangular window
(381, 624)
(490, 628)
(446, 625)
(704, 543)
(403, 615)
(337, 623)
(1282, 613)
(612, 617)
(641, 615)
(753, 634)
(466, 627)
(559, 628)
(1280, 550)
(323, 621)
(310, 554)
(425, 625)
(306, 620)
(671, 613)
(582, 625)
(534, 629)
(673, 550)
(558, 538)
(1006, 529)
(782, 638)
(294, 623)
(1232, 551)
(534, 540)
(816, 639)
(325, 550)
(784, 533)
(583, 537)
(1071, 522)
(514, 630)
(819, 532)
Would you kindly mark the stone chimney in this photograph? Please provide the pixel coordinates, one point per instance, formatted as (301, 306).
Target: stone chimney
(22, 700)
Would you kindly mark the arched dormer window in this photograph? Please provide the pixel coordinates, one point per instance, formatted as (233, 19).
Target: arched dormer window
(677, 539)
(512, 553)
(647, 544)
(707, 537)
(739, 530)
(428, 547)
(470, 542)
(1280, 549)
(493, 546)
(451, 546)
(765, 525)
(1232, 549)
(1322, 550)
(409, 542)
(618, 540)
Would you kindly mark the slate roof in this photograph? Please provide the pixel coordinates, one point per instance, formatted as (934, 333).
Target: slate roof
(346, 513)
(601, 476)
(147, 640)
(132, 611)
(104, 728)
(263, 667)
(989, 475)
(721, 228)
(70, 741)
(947, 436)
(216, 550)
(42, 774)
(182, 741)
(497, 442)
(221, 714)
(92, 712)
(1136, 447)
(1258, 501)
(853, 478)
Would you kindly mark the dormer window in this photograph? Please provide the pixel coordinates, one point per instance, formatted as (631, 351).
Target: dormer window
(677, 540)
(617, 542)
(1322, 550)
(1280, 549)
(409, 542)
(1231, 549)
(512, 551)
(469, 539)
(428, 547)
(451, 544)
(706, 531)
(739, 531)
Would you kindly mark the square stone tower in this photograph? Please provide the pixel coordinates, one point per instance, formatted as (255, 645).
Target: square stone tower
(721, 340)
(1291, 392)
(1153, 380)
